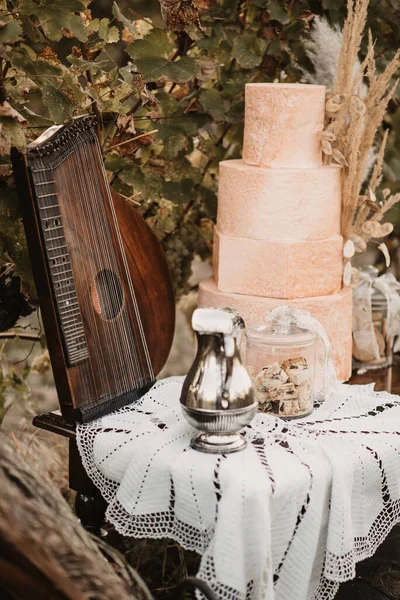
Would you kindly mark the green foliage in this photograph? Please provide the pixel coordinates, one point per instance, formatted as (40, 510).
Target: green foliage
(249, 50)
(151, 56)
(277, 11)
(15, 375)
(13, 384)
(178, 89)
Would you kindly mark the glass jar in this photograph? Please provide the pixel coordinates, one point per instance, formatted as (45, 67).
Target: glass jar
(280, 359)
(378, 352)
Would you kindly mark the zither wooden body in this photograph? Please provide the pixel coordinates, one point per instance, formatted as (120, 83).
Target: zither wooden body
(101, 275)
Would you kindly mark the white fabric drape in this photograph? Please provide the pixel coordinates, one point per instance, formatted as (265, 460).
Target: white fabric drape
(286, 519)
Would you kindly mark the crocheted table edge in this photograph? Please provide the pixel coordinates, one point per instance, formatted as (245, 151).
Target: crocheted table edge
(327, 588)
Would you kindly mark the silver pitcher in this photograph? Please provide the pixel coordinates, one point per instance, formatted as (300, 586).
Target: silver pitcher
(217, 396)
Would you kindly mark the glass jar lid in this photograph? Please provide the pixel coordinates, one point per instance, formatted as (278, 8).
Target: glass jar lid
(278, 334)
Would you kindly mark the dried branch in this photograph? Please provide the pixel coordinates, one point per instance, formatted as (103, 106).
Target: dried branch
(376, 177)
(138, 137)
(389, 203)
(355, 114)
(352, 36)
(9, 335)
(351, 145)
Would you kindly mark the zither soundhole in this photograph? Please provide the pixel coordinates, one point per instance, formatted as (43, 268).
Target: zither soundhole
(107, 294)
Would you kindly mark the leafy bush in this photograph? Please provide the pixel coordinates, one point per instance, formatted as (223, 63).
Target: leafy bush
(169, 101)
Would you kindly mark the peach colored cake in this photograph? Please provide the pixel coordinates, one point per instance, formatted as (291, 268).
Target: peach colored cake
(278, 269)
(282, 124)
(277, 239)
(278, 204)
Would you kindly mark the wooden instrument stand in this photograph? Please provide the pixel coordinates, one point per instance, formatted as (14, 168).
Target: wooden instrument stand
(90, 506)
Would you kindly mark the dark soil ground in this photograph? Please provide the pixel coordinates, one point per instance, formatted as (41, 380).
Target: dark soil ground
(378, 577)
(162, 564)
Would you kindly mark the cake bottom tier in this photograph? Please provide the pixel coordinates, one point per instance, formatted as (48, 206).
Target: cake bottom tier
(334, 312)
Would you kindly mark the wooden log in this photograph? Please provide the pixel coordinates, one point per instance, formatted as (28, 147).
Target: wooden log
(44, 550)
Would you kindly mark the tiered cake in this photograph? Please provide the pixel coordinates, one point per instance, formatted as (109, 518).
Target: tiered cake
(277, 239)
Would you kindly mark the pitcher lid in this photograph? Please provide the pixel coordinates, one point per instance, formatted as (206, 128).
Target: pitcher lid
(217, 320)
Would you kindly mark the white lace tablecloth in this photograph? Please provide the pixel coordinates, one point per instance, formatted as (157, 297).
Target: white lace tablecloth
(286, 519)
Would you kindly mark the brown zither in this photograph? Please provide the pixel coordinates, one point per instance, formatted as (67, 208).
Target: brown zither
(101, 275)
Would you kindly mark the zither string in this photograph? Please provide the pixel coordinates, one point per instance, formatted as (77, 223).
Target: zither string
(121, 323)
(98, 247)
(86, 222)
(101, 231)
(69, 183)
(123, 254)
(135, 344)
(105, 258)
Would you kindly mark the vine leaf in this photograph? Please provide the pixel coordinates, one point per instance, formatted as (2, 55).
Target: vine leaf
(116, 11)
(36, 120)
(113, 35)
(248, 50)
(86, 65)
(57, 21)
(108, 33)
(178, 192)
(10, 126)
(60, 106)
(10, 32)
(213, 103)
(276, 12)
(8, 111)
(173, 137)
(151, 56)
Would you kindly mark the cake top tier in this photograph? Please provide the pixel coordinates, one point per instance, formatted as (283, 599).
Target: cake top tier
(283, 122)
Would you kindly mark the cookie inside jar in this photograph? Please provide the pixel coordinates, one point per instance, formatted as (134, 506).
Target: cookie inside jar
(281, 362)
